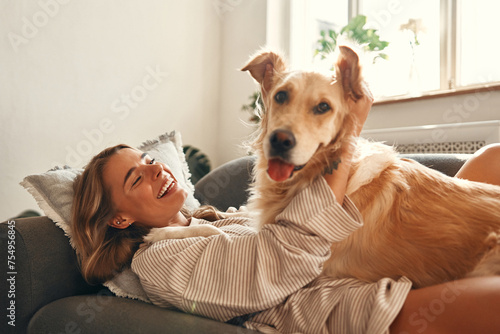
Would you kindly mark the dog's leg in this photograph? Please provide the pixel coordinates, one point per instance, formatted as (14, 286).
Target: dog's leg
(181, 232)
(490, 263)
(232, 212)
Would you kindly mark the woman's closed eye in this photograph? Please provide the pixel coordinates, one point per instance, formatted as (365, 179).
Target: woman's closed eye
(136, 181)
(152, 162)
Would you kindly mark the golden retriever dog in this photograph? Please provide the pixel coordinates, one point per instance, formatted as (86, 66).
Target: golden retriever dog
(418, 222)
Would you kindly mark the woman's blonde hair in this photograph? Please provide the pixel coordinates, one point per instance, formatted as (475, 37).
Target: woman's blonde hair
(103, 250)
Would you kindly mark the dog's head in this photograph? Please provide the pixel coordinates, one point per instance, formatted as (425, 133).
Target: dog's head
(305, 112)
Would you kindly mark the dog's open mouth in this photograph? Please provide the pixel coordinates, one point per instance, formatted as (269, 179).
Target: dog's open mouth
(280, 170)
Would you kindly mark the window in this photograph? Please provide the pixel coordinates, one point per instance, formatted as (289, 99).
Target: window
(478, 48)
(434, 45)
(412, 30)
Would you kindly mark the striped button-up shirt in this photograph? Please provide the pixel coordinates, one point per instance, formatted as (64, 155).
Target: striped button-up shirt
(272, 278)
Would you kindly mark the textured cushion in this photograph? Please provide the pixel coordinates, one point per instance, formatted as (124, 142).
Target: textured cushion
(53, 192)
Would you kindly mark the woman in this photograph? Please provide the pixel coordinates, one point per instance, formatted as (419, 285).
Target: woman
(267, 280)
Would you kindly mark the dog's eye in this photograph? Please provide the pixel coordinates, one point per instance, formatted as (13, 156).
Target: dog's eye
(321, 108)
(281, 97)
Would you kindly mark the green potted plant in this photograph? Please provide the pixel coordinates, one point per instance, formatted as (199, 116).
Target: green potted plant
(198, 163)
(355, 31)
(254, 107)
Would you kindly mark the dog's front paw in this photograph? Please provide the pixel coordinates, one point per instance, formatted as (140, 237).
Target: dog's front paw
(206, 230)
(154, 235)
(181, 232)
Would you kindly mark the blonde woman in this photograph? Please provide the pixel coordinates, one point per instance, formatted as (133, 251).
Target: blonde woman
(268, 280)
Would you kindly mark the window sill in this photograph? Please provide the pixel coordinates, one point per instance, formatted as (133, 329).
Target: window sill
(494, 86)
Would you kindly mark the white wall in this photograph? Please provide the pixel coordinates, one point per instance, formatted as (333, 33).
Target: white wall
(76, 76)
(243, 33)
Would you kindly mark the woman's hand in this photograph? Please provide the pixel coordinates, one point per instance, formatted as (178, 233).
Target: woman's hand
(360, 110)
(337, 179)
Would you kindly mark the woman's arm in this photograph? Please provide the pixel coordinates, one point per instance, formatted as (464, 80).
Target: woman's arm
(241, 272)
(338, 178)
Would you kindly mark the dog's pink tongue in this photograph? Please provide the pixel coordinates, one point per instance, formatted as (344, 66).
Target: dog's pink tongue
(279, 170)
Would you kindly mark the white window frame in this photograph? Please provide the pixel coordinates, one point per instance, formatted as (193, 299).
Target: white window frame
(449, 44)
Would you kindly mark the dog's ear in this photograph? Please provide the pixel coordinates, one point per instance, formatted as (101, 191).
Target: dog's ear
(349, 71)
(263, 68)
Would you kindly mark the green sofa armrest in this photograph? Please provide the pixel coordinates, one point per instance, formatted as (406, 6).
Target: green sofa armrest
(43, 269)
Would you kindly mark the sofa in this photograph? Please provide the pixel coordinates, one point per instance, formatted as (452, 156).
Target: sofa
(47, 294)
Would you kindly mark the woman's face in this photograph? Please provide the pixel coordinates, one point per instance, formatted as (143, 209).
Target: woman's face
(143, 191)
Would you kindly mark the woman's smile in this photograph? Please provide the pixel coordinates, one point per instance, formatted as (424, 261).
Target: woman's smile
(168, 184)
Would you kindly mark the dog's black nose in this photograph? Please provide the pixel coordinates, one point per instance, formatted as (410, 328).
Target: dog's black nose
(282, 140)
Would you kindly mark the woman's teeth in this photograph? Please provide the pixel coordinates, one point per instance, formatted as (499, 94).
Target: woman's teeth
(169, 183)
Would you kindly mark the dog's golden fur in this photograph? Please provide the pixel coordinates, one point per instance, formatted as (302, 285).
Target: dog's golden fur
(418, 222)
